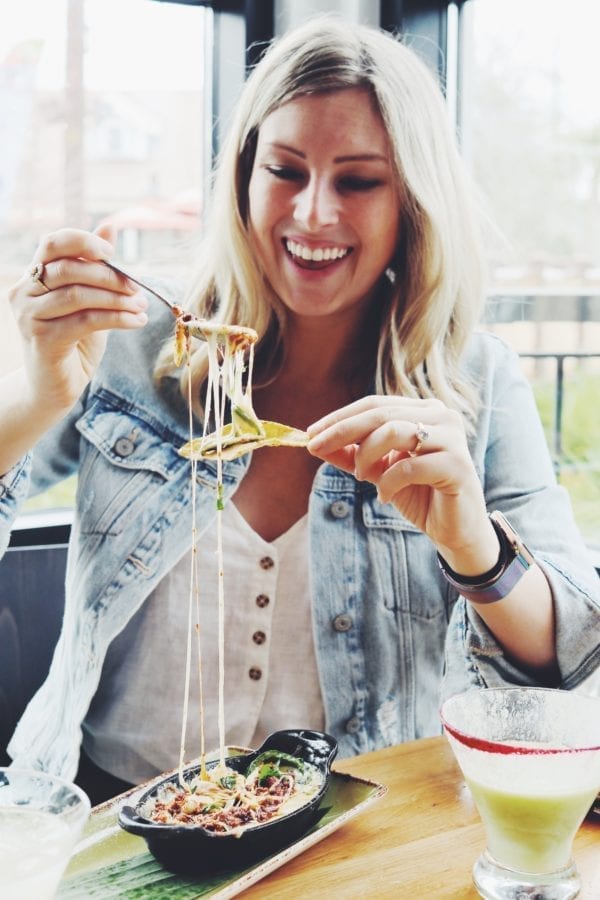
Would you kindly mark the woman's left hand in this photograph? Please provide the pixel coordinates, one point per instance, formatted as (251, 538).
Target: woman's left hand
(437, 489)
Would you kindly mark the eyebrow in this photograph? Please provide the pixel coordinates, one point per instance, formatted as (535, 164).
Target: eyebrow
(350, 157)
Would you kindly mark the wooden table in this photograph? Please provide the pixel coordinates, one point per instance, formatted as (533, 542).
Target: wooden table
(419, 841)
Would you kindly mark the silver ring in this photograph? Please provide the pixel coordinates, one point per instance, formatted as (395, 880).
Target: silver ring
(36, 273)
(421, 435)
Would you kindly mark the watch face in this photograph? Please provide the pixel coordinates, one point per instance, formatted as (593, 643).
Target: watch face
(515, 541)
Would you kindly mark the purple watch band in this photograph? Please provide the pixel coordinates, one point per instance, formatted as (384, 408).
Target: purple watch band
(499, 589)
(517, 560)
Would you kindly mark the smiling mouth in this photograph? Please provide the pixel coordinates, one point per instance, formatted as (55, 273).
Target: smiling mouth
(315, 257)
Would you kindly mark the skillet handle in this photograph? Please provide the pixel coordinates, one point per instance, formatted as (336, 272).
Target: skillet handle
(132, 822)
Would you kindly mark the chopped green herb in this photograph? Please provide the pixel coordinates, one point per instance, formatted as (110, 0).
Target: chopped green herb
(245, 421)
(228, 782)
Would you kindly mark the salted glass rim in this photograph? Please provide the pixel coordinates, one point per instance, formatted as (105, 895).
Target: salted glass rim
(489, 745)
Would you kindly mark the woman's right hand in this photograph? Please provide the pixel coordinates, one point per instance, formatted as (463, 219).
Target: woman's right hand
(64, 317)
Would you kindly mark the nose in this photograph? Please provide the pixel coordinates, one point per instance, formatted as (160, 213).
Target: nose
(316, 205)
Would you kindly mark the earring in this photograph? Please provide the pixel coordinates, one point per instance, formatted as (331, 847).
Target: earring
(390, 275)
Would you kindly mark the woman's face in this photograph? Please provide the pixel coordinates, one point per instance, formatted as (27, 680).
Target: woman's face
(323, 203)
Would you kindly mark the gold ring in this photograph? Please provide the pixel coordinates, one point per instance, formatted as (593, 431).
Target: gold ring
(421, 435)
(37, 274)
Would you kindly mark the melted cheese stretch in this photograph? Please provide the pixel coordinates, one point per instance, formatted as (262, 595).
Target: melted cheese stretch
(245, 432)
(226, 347)
(226, 367)
(217, 374)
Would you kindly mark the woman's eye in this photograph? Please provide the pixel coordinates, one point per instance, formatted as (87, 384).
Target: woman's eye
(356, 183)
(286, 173)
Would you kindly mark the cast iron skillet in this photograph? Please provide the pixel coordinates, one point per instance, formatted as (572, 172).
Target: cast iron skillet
(193, 850)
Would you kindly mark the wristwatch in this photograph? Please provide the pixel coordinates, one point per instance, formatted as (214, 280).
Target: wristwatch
(514, 560)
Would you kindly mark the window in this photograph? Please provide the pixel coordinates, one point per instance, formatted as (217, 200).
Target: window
(530, 130)
(103, 109)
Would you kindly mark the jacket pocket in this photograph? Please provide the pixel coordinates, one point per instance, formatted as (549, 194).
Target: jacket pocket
(124, 460)
(403, 565)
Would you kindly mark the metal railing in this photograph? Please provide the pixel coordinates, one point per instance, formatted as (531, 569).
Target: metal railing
(559, 377)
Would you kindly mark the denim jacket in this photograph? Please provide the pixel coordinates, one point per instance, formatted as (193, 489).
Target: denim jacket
(391, 635)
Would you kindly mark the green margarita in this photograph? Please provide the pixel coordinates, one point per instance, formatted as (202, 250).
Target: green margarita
(530, 833)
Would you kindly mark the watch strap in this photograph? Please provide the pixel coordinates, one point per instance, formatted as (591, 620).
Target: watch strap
(514, 560)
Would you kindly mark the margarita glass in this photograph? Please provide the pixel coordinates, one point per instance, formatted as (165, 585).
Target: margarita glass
(531, 759)
(41, 818)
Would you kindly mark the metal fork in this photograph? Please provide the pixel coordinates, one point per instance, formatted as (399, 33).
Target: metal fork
(172, 306)
(200, 328)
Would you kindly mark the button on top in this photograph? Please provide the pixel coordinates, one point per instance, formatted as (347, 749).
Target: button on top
(339, 509)
(343, 622)
(266, 562)
(353, 725)
(255, 673)
(262, 600)
(259, 637)
(124, 446)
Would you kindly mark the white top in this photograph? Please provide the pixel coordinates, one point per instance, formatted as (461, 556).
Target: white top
(271, 679)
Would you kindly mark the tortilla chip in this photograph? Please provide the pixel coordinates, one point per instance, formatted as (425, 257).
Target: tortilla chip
(234, 445)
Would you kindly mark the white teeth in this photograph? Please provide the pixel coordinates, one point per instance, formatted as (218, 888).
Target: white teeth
(318, 254)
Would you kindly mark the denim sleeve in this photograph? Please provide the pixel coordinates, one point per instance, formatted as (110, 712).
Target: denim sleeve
(512, 457)
(53, 459)
(14, 486)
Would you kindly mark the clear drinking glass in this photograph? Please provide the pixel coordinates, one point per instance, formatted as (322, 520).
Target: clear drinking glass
(531, 759)
(41, 819)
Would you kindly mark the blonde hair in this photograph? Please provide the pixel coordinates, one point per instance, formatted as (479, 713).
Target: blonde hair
(434, 299)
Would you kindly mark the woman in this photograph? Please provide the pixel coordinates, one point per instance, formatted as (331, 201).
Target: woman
(358, 575)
